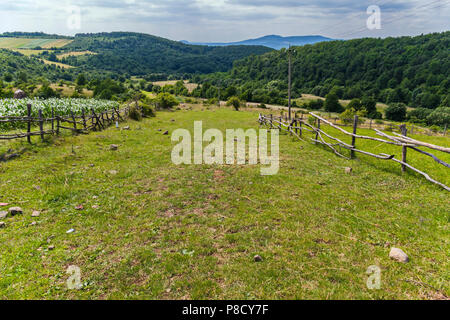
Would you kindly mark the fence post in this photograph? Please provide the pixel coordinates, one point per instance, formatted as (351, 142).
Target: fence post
(84, 119)
(57, 125)
(29, 123)
(445, 130)
(41, 125)
(404, 148)
(74, 123)
(318, 128)
(355, 127)
(53, 120)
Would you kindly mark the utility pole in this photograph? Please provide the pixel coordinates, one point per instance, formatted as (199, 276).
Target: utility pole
(290, 81)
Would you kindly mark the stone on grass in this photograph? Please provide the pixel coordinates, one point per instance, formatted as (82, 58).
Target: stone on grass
(398, 255)
(4, 214)
(52, 247)
(114, 147)
(70, 231)
(348, 170)
(35, 214)
(19, 94)
(166, 133)
(15, 211)
(257, 258)
(2, 224)
(113, 172)
(126, 128)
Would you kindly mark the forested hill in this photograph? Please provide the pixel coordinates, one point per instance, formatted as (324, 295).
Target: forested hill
(413, 70)
(140, 54)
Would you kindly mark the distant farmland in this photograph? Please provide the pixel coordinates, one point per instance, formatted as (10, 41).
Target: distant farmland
(25, 43)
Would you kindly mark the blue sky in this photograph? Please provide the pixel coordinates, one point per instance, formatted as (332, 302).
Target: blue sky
(226, 20)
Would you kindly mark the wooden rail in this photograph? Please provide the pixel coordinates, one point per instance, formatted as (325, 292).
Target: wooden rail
(298, 126)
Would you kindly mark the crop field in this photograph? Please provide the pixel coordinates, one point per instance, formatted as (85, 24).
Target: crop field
(25, 43)
(75, 54)
(18, 108)
(135, 234)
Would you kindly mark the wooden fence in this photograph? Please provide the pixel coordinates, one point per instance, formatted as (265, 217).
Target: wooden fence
(89, 120)
(298, 126)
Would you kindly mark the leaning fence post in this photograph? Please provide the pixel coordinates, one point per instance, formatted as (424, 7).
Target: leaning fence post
(53, 120)
(355, 127)
(74, 123)
(404, 148)
(41, 124)
(84, 119)
(29, 123)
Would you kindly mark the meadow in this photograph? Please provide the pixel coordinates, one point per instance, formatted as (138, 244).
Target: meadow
(25, 43)
(143, 228)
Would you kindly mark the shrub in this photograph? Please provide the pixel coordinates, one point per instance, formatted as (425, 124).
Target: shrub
(332, 103)
(440, 117)
(234, 102)
(315, 104)
(134, 113)
(165, 100)
(396, 112)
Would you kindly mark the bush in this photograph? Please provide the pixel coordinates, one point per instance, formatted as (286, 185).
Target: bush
(234, 102)
(396, 112)
(332, 103)
(165, 100)
(134, 113)
(440, 117)
(315, 104)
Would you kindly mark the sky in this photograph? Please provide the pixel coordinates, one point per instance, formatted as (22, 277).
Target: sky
(228, 20)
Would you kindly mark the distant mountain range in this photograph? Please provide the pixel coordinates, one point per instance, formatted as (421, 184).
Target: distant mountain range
(271, 41)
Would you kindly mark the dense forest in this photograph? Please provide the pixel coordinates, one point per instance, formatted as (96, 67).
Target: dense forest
(134, 54)
(410, 70)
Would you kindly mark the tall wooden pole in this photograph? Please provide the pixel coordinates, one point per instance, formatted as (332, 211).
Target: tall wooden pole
(290, 81)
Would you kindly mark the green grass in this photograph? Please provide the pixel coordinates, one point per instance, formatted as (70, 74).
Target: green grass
(168, 232)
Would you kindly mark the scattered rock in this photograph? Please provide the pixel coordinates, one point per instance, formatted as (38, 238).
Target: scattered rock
(52, 247)
(159, 130)
(166, 133)
(2, 224)
(70, 231)
(15, 211)
(4, 214)
(126, 128)
(35, 214)
(398, 255)
(173, 120)
(113, 172)
(19, 94)
(258, 258)
(348, 170)
(113, 147)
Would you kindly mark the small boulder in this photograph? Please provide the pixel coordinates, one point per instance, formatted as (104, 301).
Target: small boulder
(52, 247)
(15, 211)
(36, 214)
(166, 133)
(126, 128)
(19, 94)
(113, 147)
(348, 170)
(398, 255)
(257, 258)
(4, 214)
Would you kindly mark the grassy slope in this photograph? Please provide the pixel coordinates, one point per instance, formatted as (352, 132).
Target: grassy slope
(191, 231)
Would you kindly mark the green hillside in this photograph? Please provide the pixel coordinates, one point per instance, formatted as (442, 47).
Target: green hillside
(412, 70)
(141, 54)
